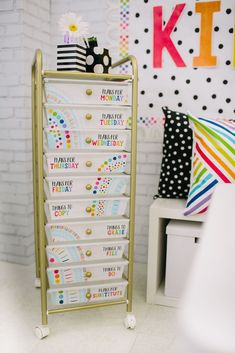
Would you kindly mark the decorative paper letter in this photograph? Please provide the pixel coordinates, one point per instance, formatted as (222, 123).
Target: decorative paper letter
(161, 38)
(206, 9)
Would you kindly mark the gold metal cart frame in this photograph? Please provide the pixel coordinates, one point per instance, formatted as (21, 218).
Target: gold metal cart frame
(38, 74)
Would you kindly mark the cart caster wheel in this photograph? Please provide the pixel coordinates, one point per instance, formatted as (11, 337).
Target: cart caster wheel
(42, 331)
(37, 282)
(130, 321)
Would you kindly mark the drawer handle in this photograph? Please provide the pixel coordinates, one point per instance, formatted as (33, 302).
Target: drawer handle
(88, 186)
(88, 253)
(88, 231)
(88, 274)
(88, 295)
(88, 209)
(88, 140)
(89, 92)
(88, 164)
(88, 116)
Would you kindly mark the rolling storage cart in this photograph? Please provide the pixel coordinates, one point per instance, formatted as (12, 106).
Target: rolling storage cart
(84, 180)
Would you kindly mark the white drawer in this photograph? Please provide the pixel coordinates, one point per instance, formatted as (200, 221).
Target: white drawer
(88, 294)
(116, 140)
(86, 163)
(71, 117)
(73, 253)
(78, 208)
(87, 92)
(105, 163)
(99, 229)
(86, 273)
(112, 185)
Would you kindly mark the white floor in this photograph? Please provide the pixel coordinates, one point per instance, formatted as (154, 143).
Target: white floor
(89, 331)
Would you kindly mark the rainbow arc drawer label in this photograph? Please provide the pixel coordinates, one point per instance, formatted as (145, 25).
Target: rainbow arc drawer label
(86, 273)
(63, 254)
(86, 185)
(110, 163)
(70, 117)
(75, 208)
(75, 231)
(88, 294)
(87, 92)
(87, 139)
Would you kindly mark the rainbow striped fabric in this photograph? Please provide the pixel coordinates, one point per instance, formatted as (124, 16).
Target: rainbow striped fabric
(213, 160)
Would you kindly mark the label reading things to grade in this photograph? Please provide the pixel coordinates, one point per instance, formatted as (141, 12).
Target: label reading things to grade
(116, 229)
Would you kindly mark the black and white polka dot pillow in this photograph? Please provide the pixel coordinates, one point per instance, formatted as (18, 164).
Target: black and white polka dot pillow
(177, 154)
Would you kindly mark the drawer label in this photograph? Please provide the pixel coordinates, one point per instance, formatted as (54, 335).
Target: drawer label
(113, 95)
(64, 163)
(112, 120)
(107, 140)
(61, 210)
(112, 268)
(62, 186)
(116, 229)
(112, 250)
(107, 292)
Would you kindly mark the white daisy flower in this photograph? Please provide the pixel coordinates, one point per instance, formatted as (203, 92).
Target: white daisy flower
(73, 27)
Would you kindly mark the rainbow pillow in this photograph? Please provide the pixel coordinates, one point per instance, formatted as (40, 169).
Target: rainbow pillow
(213, 160)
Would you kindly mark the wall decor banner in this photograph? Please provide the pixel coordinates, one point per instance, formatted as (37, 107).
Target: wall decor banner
(185, 52)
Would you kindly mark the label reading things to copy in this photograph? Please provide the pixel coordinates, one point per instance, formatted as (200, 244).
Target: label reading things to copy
(61, 210)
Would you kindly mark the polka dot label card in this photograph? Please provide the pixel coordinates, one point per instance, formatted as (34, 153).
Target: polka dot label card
(185, 53)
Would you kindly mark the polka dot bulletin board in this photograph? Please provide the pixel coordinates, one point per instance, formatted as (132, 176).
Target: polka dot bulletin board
(173, 79)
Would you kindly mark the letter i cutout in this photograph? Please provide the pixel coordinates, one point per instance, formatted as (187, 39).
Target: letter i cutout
(206, 9)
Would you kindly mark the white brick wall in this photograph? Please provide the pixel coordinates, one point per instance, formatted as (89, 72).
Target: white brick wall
(148, 167)
(24, 26)
(21, 24)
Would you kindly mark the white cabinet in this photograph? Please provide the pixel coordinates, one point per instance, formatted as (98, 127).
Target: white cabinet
(183, 239)
(161, 212)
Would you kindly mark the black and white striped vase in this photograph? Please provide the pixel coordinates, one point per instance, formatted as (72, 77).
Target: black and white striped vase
(71, 57)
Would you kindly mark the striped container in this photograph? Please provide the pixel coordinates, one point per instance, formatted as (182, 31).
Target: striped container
(71, 57)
